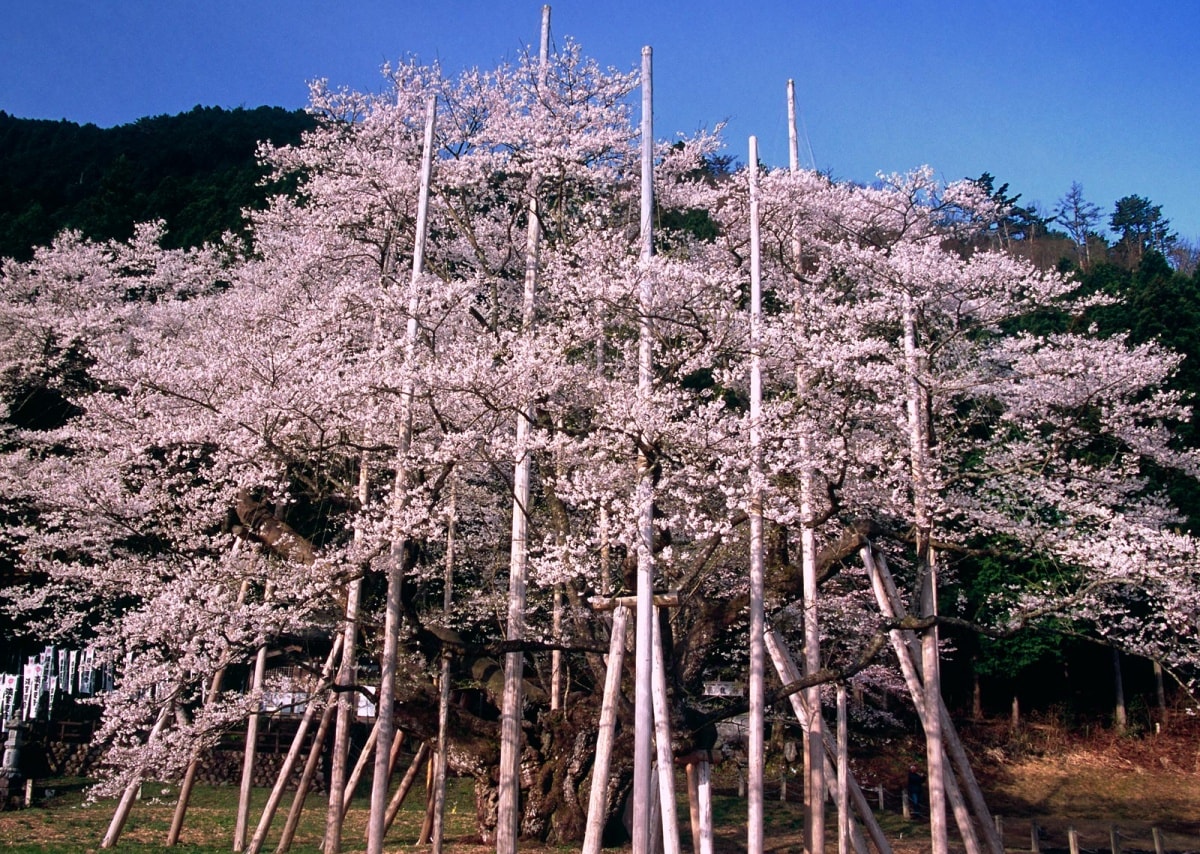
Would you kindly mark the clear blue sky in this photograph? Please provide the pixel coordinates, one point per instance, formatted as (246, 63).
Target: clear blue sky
(1038, 93)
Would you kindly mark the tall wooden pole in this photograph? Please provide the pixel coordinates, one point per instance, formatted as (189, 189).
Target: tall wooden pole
(644, 497)
(509, 808)
(242, 822)
(440, 758)
(346, 699)
(814, 736)
(395, 572)
(755, 751)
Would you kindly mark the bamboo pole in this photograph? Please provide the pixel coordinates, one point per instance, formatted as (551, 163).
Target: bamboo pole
(755, 749)
(289, 762)
(189, 776)
(598, 796)
(391, 626)
(306, 777)
(644, 497)
(121, 814)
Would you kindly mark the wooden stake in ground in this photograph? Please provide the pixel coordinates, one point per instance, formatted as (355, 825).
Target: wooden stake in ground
(385, 710)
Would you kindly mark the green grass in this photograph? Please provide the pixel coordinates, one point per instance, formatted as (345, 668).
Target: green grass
(64, 823)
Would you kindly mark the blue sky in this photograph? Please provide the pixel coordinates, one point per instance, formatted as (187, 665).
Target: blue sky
(1038, 93)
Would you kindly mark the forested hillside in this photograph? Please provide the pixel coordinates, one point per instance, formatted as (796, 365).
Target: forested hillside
(196, 171)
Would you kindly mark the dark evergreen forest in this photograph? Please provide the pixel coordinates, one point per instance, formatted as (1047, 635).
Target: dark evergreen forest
(197, 171)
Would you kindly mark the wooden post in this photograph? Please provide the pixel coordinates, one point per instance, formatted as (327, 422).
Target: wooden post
(306, 776)
(131, 789)
(410, 776)
(293, 754)
(704, 796)
(395, 572)
(508, 814)
(644, 492)
(598, 796)
(843, 774)
(242, 822)
(1158, 840)
(755, 751)
(1073, 840)
(662, 740)
(1035, 842)
(693, 789)
(1114, 839)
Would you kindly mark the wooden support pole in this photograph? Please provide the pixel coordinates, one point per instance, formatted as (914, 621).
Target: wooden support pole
(1072, 840)
(1114, 839)
(368, 751)
(788, 673)
(908, 653)
(406, 784)
(1035, 838)
(242, 822)
(306, 777)
(121, 815)
(310, 711)
(843, 774)
(662, 740)
(598, 796)
(1158, 840)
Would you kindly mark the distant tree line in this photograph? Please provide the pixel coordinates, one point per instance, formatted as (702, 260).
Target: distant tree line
(197, 171)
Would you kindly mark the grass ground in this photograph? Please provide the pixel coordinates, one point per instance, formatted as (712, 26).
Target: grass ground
(1091, 785)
